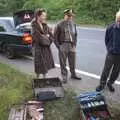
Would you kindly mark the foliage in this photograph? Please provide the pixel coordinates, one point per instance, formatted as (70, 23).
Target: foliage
(87, 11)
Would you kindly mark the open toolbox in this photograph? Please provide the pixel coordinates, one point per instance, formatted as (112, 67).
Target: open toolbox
(47, 89)
(93, 106)
(32, 110)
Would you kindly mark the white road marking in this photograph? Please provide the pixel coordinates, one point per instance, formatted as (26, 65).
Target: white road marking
(82, 72)
(117, 82)
(92, 28)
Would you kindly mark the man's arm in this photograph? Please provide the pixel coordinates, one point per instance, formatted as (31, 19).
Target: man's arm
(107, 36)
(75, 35)
(57, 35)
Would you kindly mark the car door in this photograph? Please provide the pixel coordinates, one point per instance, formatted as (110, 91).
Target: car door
(2, 32)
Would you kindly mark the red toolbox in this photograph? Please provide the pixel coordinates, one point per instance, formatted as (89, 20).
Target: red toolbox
(93, 106)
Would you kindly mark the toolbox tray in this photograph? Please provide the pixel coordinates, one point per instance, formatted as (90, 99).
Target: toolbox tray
(47, 85)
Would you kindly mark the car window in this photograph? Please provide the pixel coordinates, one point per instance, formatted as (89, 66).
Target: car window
(7, 25)
(2, 29)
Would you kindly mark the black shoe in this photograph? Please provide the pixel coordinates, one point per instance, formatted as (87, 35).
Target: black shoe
(100, 88)
(76, 77)
(64, 81)
(110, 87)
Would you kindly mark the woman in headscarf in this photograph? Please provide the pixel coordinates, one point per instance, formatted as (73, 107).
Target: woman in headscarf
(42, 39)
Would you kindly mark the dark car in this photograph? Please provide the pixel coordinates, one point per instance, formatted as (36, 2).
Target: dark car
(15, 34)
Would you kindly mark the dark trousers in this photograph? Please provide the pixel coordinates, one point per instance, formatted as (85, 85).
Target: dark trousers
(67, 51)
(111, 69)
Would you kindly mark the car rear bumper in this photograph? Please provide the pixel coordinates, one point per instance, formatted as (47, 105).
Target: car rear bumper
(22, 49)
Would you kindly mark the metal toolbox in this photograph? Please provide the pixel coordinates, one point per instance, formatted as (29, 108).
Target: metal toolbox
(93, 106)
(45, 87)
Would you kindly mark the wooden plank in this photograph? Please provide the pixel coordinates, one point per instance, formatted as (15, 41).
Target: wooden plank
(17, 113)
(12, 111)
(25, 113)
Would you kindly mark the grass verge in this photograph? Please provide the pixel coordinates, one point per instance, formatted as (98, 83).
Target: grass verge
(15, 87)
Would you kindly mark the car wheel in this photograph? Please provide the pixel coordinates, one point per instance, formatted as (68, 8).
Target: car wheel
(9, 53)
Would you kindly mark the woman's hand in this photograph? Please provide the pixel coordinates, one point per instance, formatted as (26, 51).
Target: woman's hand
(48, 35)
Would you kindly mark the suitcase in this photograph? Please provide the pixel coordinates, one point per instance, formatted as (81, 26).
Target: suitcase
(47, 89)
(93, 106)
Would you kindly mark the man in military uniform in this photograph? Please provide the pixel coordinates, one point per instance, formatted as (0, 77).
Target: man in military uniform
(65, 39)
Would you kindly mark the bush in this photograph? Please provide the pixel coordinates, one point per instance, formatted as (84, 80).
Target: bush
(87, 11)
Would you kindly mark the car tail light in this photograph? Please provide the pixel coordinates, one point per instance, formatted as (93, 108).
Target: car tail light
(27, 38)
